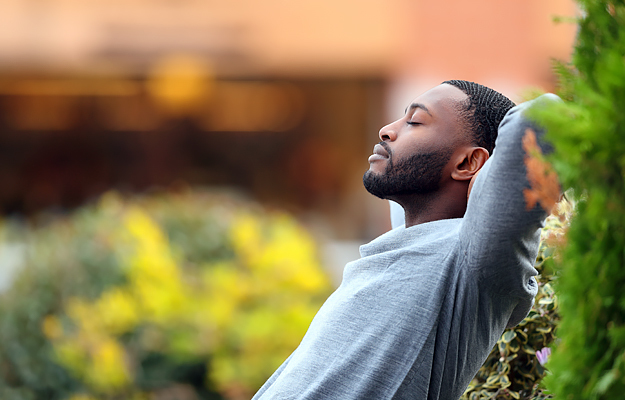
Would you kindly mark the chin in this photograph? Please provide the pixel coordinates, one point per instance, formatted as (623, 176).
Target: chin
(371, 180)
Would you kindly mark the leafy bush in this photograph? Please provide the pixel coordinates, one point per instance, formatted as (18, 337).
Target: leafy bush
(178, 296)
(588, 132)
(512, 369)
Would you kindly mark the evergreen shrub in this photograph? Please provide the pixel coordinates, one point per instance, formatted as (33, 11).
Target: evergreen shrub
(588, 133)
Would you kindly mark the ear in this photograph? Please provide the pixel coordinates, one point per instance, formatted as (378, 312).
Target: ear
(469, 162)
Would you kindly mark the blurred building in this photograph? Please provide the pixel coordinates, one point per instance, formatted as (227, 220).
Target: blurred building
(280, 99)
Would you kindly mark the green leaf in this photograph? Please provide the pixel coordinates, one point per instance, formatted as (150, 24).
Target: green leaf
(529, 349)
(527, 373)
(504, 367)
(514, 345)
(502, 348)
(522, 336)
(546, 301)
(493, 379)
(511, 357)
(508, 336)
(543, 329)
(606, 381)
(548, 289)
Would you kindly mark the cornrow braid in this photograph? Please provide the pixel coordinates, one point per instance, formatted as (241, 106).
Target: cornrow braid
(483, 111)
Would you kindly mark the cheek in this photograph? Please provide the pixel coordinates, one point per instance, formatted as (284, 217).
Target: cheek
(424, 140)
(431, 146)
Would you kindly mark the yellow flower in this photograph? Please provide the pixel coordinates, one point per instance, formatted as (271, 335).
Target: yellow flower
(117, 310)
(246, 236)
(107, 370)
(155, 279)
(83, 314)
(71, 355)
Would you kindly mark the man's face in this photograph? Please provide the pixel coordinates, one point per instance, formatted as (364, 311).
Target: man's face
(413, 157)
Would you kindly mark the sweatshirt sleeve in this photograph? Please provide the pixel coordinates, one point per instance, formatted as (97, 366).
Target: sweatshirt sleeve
(501, 228)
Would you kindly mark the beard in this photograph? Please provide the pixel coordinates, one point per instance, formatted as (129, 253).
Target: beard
(418, 174)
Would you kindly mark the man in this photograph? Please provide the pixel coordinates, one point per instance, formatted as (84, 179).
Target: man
(416, 316)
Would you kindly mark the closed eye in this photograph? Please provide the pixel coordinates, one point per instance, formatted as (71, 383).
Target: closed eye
(413, 123)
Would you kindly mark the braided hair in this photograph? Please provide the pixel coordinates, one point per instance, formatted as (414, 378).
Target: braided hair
(483, 111)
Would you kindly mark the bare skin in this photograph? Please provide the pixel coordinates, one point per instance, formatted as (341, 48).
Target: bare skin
(432, 123)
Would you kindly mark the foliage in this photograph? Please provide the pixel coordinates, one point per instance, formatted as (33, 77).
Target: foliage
(512, 370)
(167, 296)
(588, 132)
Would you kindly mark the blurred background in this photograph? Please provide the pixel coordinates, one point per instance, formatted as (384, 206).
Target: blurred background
(278, 101)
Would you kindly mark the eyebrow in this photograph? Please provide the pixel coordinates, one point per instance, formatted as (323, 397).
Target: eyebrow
(418, 105)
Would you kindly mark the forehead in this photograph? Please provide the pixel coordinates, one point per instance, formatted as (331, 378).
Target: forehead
(442, 101)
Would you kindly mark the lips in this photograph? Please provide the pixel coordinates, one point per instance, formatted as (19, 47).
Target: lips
(379, 153)
(380, 150)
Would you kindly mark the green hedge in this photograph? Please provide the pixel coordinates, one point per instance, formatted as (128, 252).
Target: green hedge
(588, 132)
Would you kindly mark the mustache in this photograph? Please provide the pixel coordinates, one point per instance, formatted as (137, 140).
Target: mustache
(387, 148)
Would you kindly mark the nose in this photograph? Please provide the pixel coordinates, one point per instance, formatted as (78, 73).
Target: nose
(388, 133)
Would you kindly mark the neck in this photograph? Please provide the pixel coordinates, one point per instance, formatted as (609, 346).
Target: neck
(422, 208)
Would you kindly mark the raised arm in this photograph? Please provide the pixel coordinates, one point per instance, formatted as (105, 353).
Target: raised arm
(500, 230)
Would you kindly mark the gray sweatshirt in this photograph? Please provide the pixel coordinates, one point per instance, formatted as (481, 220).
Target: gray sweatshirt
(416, 316)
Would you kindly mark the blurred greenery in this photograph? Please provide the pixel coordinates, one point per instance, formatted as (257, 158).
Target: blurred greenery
(172, 296)
(588, 133)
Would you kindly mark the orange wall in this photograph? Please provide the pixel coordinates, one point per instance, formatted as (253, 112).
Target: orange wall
(505, 44)
(476, 39)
